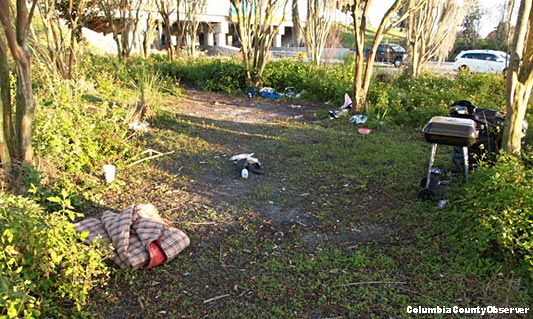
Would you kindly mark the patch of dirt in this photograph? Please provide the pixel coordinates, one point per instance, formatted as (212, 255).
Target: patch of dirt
(204, 195)
(218, 106)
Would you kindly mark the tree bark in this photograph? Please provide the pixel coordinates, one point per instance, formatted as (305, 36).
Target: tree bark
(359, 10)
(6, 127)
(519, 79)
(15, 29)
(256, 31)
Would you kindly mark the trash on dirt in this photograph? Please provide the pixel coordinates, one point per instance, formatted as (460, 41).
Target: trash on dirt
(359, 119)
(290, 93)
(140, 237)
(247, 163)
(269, 92)
(295, 106)
(335, 114)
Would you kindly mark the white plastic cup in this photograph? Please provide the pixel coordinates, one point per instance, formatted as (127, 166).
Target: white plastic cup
(244, 173)
(109, 171)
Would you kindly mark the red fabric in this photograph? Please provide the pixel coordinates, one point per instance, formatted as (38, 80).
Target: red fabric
(157, 255)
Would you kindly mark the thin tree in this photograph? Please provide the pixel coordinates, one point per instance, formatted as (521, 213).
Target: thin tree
(519, 79)
(256, 30)
(192, 11)
(148, 32)
(15, 136)
(359, 9)
(296, 35)
(121, 18)
(61, 47)
(320, 14)
(166, 8)
(431, 32)
(471, 25)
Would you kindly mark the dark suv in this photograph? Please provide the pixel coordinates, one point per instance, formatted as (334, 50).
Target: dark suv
(390, 53)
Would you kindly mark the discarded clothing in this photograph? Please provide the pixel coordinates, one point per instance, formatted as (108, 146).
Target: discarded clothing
(335, 114)
(248, 162)
(359, 119)
(269, 92)
(140, 237)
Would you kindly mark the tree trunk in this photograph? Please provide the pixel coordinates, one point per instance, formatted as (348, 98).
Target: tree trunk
(360, 12)
(15, 32)
(296, 33)
(256, 30)
(519, 79)
(6, 128)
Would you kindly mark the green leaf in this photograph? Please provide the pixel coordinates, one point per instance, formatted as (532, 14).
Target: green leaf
(9, 235)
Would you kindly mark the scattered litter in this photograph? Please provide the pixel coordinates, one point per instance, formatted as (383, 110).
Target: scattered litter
(364, 130)
(241, 156)
(246, 163)
(442, 203)
(139, 126)
(244, 173)
(109, 171)
(359, 119)
(335, 114)
(289, 92)
(269, 92)
(293, 106)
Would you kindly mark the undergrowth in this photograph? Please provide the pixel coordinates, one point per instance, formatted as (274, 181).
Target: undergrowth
(487, 223)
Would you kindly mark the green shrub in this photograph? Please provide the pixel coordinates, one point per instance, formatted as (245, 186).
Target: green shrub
(219, 75)
(497, 208)
(413, 101)
(46, 270)
(76, 136)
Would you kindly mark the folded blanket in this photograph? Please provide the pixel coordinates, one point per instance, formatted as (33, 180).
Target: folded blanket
(140, 237)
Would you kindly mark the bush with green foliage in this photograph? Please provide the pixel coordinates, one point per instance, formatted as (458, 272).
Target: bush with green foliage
(218, 75)
(496, 210)
(46, 270)
(413, 101)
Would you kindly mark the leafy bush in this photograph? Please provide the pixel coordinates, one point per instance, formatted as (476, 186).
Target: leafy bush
(220, 74)
(413, 101)
(76, 136)
(46, 271)
(497, 207)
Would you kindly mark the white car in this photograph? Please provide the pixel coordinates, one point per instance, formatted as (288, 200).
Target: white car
(482, 61)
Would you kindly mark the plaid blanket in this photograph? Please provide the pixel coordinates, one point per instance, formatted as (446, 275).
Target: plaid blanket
(140, 237)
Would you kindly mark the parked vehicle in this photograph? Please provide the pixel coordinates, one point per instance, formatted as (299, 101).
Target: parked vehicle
(482, 61)
(390, 53)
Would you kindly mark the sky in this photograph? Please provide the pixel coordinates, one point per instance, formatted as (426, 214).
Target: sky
(493, 11)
